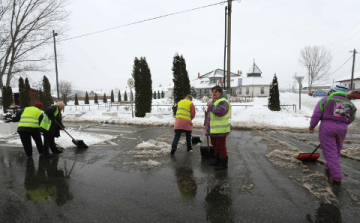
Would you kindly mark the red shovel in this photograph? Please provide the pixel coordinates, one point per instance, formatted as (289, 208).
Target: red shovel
(309, 156)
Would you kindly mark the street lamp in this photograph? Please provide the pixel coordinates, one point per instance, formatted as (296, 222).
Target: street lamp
(56, 69)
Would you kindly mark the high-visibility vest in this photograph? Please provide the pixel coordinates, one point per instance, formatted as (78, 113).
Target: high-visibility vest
(30, 117)
(183, 110)
(46, 122)
(219, 124)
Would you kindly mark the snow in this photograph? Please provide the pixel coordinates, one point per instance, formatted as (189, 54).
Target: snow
(250, 115)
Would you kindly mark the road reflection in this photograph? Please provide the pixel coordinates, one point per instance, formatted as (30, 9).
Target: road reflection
(219, 204)
(48, 181)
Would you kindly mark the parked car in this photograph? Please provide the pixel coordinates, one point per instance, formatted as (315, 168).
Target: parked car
(319, 94)
(311, 93)
(353, 94)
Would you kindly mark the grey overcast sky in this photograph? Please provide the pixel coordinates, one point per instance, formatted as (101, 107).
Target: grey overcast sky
(271, 32)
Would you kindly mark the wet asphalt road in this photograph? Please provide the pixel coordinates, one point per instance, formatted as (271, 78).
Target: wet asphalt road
(106, 183)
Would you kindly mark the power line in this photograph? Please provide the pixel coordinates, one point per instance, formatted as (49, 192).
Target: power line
(145, 20)
(346, 33)
(341, 66)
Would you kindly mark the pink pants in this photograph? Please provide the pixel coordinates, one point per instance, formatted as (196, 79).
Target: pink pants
(219, 144)
(331, 137)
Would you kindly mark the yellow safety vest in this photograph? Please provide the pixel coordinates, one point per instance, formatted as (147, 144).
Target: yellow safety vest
(46, 122)
(183, 110)
(30, 117)
(219, 125)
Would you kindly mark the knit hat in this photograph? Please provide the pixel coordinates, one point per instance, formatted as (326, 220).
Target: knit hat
(340, 87)
(189, 96)
(39, 105)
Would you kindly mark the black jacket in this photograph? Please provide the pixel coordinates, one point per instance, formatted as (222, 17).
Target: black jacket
(54, 128)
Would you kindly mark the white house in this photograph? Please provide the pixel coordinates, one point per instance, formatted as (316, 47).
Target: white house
(347, 80)
(253, 84)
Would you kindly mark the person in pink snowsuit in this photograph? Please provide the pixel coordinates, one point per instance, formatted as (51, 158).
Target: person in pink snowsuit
(336, 112)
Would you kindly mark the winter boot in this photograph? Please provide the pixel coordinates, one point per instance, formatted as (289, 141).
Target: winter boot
(216, 162)
(173, 149)
(223, 164)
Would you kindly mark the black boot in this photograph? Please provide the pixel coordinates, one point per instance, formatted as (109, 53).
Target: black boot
(223, 164)
(173, 149)
(216, 162)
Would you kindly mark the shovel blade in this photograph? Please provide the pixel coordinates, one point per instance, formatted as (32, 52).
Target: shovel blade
(308, 156)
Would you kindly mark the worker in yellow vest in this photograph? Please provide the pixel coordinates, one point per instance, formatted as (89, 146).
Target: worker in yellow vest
(184, 114)
(217, 126)
(50, 129)
(29, 127)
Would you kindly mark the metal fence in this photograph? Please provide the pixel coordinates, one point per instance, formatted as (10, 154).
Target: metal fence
(162, 108)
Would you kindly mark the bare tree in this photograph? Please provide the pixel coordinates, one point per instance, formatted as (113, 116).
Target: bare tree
(65, 89)
(26, 27)
(317, 61)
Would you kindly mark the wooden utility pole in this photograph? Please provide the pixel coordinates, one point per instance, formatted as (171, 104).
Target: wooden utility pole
(56, 69)
(229, 47)
(352, 72)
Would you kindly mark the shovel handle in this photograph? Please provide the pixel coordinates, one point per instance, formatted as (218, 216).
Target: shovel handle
(314, 150)
(64, 130)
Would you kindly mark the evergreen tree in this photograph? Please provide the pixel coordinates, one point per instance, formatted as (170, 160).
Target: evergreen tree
(76, 100)
(46, 98)
(22, 93)
(104, 98)
(119, 97)
(27, 97)
(112, 96)
(274, 97)
(158, 95)
(143, 87)
(181, 80)
(125, 97)
(96, 99)
(86, 98)
(162, 94)
(131, 95)
(41, 95)
(6, 97)
(154, 95)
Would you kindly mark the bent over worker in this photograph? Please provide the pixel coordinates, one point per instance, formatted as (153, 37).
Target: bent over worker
(185, 113)
(51, 129)
(336, 112)
(28, 127)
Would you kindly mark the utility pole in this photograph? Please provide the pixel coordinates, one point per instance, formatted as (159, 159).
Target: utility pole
(225, 48)
(352, 72)
(56, 69)
(229, 47)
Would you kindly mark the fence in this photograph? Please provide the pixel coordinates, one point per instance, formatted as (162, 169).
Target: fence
(160, 108)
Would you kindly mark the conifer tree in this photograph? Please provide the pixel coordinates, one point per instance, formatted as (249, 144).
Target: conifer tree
(181, 80)
(158, 94)
(6, 97)
(46, 98)
(125, 97)
(112, 96)
(154, 95)
(104, 98)
(22, 93)
(162, 94)
(274, 97)
(86, 98)
(76, 100)
(143, 87)
(96, 99)
(27, 93)
(41, 95)
(119, 97)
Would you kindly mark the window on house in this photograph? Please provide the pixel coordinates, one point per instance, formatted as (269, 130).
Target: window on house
(262, 90)
(247, 90)
(201, 82)
(240, 91)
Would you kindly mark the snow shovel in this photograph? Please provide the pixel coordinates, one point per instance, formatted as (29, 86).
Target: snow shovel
(79, 143)
(208, 150)
(309, 156)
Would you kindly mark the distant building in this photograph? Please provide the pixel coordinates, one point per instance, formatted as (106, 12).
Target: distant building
(253, 84)
(34, 96)
(347, 81)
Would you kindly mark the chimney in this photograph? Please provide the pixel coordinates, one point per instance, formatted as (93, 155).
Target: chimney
(198, 75)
